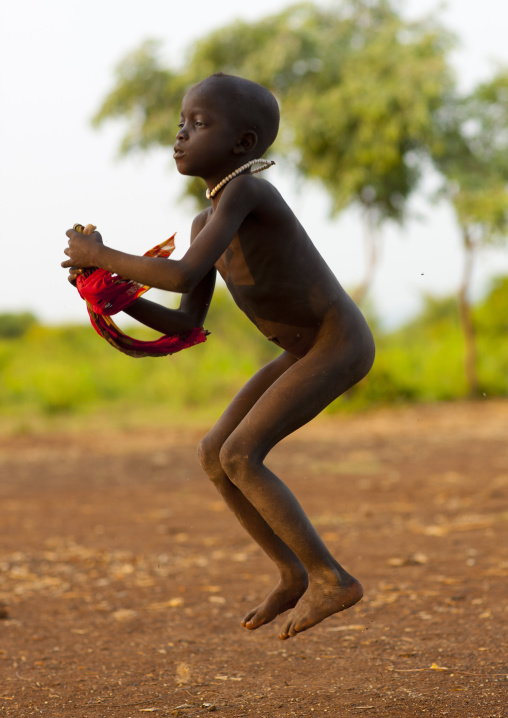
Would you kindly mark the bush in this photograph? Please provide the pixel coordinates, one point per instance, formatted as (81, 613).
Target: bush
(71, 370)
(13, 326)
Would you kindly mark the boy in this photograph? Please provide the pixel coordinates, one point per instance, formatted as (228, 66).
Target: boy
(277, 277)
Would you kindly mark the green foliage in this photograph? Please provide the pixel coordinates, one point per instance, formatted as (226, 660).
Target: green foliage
(358, 87)
(15, 325)
(423, 360)
(470, 149)
(53, 370)
(362, 122)
(70, 371)
(491, 315)
(148, 96)
(491, 321)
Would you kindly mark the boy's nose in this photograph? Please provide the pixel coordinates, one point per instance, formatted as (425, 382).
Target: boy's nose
(181, 134)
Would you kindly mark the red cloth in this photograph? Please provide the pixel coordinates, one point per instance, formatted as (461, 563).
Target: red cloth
(167, 344)
(106, 294)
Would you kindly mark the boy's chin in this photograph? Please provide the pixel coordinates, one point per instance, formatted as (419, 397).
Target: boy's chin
(183, 170)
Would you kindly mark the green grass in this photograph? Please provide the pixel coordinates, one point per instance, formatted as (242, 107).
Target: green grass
(65, 376)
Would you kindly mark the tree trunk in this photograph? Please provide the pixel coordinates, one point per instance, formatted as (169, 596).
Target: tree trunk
(466, 319)
(372, 242)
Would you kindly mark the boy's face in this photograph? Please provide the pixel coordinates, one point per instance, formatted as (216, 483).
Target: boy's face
(207, 137)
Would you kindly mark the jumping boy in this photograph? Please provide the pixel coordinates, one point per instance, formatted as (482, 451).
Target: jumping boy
(277, 277)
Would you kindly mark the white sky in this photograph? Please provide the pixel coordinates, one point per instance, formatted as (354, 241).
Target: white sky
(57, 59)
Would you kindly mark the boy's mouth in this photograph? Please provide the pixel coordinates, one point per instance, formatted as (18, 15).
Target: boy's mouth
(178, 153)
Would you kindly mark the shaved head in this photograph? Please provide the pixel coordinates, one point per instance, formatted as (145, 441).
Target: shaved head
(249, 105)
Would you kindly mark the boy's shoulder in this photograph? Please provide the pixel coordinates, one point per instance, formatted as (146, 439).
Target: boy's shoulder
(200, 220)
(242, 195)
(249, 192)
(250, 183)
(203, 215)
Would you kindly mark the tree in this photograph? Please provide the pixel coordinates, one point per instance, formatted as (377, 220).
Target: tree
(358, 85)
(148, 96)
(471, 152)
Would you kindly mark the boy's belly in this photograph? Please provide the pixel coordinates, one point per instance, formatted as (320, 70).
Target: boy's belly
(294, 321)
(280, 305)
(291, 322)
(295, 340)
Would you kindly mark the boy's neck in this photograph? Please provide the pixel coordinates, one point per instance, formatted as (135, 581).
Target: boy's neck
(210, 194)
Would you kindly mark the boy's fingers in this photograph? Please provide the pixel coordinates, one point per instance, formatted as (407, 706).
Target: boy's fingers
(73, 275)
(71, 233)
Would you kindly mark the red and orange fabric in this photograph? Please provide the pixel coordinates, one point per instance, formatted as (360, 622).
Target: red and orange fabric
(106, 294)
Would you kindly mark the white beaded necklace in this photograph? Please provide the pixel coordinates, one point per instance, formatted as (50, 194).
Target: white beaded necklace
(266, 164)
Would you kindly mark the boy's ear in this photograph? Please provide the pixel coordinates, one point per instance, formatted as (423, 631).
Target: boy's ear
(245, 142)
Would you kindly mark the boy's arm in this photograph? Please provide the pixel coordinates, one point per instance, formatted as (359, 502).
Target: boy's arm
(238, 199)
(193, 306)
(190, 314)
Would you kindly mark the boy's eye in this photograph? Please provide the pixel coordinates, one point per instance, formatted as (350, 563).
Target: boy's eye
(196, 123)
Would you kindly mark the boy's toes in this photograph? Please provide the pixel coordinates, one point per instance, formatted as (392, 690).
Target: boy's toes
(247, 618)
(287, 630)
(254, 619)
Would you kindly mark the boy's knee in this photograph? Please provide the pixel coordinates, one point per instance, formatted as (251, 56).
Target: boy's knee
(360, 358)
(367, 357)
(208, 455)
(234, 460)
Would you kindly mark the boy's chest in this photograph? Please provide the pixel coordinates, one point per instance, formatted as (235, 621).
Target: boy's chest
(233, 265)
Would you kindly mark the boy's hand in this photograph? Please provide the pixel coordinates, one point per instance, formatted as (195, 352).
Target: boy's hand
(74, 272)
(82, 250)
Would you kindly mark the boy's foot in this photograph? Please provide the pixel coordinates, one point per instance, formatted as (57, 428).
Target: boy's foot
(323, 598)
(283, 597)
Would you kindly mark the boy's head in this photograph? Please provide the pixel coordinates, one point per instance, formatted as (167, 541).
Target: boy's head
(248, 105)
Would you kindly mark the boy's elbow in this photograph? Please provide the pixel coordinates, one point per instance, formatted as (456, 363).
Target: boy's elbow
(187, 284)
(184, 282)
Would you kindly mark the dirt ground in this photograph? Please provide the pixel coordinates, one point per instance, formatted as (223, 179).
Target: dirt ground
(123, 578)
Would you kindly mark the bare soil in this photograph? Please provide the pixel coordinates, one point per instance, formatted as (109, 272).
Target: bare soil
(123, 578)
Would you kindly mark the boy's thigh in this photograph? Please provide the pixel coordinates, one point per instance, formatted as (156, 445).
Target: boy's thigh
(247, 397)
(306, 388)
